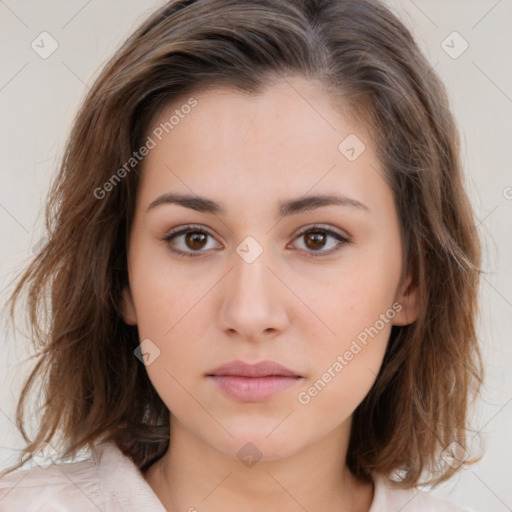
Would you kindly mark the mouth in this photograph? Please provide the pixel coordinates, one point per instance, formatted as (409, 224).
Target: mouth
(253, 382)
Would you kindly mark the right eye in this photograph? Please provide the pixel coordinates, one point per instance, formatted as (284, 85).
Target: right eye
(190, 237)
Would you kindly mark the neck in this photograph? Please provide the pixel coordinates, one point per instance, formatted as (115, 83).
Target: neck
(192, 476)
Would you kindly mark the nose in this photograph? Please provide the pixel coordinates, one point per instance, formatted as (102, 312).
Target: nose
(253, 303)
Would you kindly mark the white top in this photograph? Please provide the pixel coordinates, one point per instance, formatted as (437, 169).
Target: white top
(108, 481)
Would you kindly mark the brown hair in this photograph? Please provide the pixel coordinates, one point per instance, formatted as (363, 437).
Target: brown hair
(94, 388)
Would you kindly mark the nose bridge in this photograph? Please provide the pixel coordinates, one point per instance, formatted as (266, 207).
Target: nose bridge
(251, 277)
(251, 301)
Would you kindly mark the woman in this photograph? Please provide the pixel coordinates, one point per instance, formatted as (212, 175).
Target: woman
(263, 271)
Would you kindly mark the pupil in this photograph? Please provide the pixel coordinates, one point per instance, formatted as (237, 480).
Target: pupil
(318, 240)
(196, 240)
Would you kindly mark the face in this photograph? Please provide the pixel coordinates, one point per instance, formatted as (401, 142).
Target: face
(314, 287)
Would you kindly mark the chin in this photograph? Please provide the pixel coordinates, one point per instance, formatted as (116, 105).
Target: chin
(258, 446)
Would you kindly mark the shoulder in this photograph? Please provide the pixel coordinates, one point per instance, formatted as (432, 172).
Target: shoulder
(55, 488)
(389, 497)
(107, 480)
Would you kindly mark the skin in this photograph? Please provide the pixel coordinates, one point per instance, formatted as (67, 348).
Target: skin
(248, 152)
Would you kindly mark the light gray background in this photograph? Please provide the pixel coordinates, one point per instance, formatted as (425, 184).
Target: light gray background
(39, 97)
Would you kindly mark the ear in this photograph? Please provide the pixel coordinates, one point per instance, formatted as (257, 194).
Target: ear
(128, 307)
(409, 300)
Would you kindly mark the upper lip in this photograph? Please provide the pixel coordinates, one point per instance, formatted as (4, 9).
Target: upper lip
(260, 369)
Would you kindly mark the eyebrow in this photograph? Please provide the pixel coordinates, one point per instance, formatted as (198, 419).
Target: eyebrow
(285, 208)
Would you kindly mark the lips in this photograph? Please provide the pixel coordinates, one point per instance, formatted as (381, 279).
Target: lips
(261, 369)
(253, 382)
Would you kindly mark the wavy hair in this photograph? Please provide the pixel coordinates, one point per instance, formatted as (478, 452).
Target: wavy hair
(92, 385)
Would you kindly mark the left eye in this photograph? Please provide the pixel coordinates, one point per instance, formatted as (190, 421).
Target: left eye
(316, 239)
(196, 239)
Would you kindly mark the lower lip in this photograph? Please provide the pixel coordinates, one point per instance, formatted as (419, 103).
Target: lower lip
(253, 389)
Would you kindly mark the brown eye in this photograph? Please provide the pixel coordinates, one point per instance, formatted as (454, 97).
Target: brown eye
(188, 241)
(196, 240)
(316, 239)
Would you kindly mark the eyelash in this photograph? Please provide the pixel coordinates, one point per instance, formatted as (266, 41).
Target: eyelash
(313, 229)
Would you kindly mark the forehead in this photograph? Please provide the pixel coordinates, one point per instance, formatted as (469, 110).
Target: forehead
(288, 138)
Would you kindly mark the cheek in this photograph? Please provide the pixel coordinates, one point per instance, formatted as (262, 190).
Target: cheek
(345, 373)
(356, 309)
(166, 292)
(347, 302)
(181, 362)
